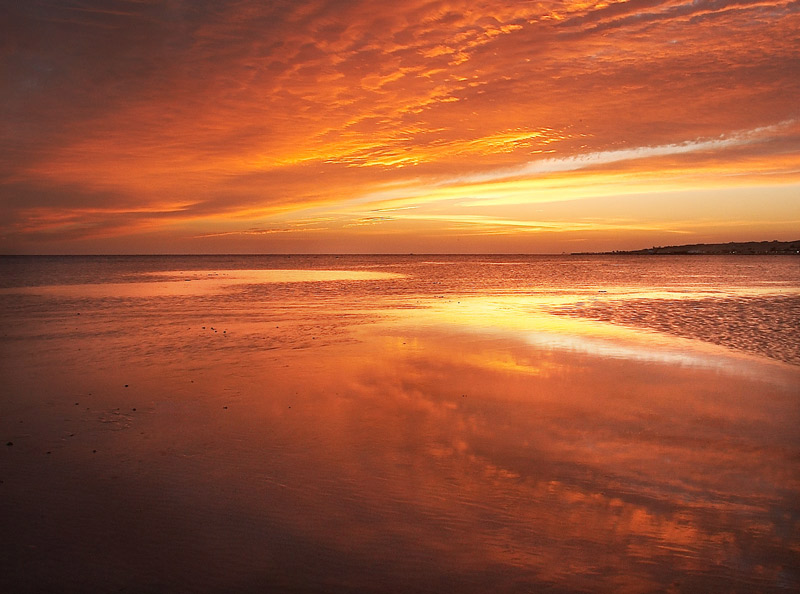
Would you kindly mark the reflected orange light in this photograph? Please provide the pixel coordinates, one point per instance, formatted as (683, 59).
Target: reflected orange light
(443, 432)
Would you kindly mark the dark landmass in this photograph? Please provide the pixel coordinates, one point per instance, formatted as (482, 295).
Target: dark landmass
(734, 247)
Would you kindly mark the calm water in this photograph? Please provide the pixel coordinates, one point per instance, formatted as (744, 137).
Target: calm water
(400, 424)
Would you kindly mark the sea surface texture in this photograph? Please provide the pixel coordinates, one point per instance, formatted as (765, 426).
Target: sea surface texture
(388, 424)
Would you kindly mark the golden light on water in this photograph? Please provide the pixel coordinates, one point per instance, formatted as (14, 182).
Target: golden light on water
(327, 423)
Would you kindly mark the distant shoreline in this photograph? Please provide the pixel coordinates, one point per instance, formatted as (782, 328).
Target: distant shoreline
(738, 248)
(731, 248)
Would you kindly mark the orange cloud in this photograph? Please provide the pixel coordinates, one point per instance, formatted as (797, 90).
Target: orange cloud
(244, 113)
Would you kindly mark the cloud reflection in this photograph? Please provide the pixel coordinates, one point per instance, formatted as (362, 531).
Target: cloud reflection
(592, 472)
(308, 446)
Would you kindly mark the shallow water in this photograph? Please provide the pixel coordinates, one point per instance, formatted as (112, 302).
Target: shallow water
(452, 424)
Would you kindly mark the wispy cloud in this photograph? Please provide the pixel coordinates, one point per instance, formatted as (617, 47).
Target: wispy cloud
(246, 112)
(487, 224)
(594, 159)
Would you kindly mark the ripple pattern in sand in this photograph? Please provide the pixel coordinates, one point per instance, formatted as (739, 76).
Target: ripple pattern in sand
(761, 325)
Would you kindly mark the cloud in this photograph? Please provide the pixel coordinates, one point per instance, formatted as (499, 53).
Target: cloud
(252, 109)
(590, 160)
(632, 14)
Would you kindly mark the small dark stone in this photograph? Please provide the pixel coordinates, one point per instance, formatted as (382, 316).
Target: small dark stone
(133, 409)
(49, 452)
(77, 403)
(94, 451)
(10, 443)
(126, 385)
(225, 407)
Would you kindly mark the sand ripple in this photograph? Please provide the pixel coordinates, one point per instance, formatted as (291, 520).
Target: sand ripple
(761, 325)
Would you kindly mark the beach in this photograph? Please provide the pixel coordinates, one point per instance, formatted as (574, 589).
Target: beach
(400, 424)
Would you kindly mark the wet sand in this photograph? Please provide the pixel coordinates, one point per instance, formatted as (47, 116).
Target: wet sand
(457, 446)
(764, 326)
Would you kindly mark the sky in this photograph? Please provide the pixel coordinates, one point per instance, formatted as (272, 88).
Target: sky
(426, 126)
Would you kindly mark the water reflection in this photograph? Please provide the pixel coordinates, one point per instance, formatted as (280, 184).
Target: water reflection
(533, 320)
(422, 457)
(580, 471)
(196, 282)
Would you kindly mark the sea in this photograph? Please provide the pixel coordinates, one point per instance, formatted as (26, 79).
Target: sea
(400, 423)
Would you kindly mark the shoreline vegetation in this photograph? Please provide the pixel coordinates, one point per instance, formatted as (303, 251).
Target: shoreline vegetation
(746, 248)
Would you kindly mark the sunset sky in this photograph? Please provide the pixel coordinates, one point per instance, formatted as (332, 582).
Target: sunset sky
(337, 126)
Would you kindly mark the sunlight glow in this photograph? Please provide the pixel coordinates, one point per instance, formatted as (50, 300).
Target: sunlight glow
(267, 116)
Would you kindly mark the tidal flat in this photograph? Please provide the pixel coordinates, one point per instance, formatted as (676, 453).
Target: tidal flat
(398, 424)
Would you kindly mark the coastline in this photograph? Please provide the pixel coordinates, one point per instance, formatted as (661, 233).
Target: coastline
(733, 248)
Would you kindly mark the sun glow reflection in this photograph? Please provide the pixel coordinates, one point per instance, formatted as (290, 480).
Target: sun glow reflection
(531, 319)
